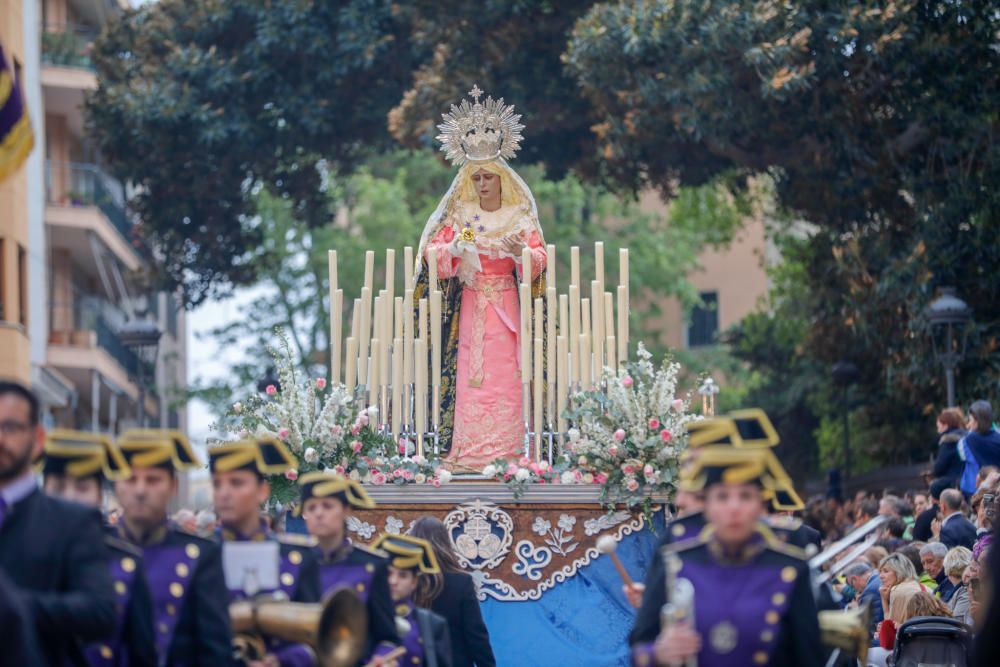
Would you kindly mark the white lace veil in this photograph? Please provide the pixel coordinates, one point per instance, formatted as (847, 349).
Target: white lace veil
(440, 214)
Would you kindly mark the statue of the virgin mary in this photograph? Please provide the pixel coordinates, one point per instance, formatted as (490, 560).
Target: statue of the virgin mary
(479, 230)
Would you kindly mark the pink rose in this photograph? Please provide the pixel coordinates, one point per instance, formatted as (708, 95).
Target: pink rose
(356, 429)
(524, 462)
(339, 470)
(506, 476)
(271, 390)
(408, 475)
(535, 469)
(677, 405)
(436, 483)
(356, 446)
(654, 423)
(336, 431)
(600, 478)
(283, 433)
(647, 470)
(378, 478)
(627, 381)
(540, 480)
(292, 474)
(363, 419)
(397, 473)
(620, 435)
(321, 383)
(628, 469)
(666, 436)
(511, 468)
(632, 484)
(612, 451)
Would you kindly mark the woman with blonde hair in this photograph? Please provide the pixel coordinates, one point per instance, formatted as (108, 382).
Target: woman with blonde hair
(956, 561)
(899, 584)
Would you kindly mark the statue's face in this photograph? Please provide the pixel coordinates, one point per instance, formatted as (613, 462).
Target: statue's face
(487, 185)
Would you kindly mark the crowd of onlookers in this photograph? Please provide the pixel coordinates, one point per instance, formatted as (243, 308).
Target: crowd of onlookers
(930, 555)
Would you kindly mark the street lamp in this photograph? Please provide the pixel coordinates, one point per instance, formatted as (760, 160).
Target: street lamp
(142, 336)
(948, 317)
(845, 373)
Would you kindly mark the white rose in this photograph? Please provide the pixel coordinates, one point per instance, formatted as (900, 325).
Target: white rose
(420, 478)
(372, 411)
(588, 478)
(573, 434)
(543, 465)
(490, 471)
(311, 455)
(568, 477)
(367, 478)
(444, 476)
(522, 474)
(354, 475)
(237, 408)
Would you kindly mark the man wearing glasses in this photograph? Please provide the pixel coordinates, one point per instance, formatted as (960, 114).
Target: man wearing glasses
(52, 551)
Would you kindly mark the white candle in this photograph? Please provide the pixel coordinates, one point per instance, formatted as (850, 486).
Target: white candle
(385, 335)
(397, 386)
(599, 261)
(574, 330)
(609, 315)
(351, 365)
(365, 335)
(622, 324)
(356, 320)
(611, 352)
(370, 270)
(432, 268)
(397, 321)
(408, 266)
(550, 265)
(408, 336)
(526, 265)
(539, 392)
(390, 273)
(525, 333)
(424, 333)
(373, 382)
(597, 323)
(552, 313)
(585, 362)
(420, 353)
(562, 387)
(336, 334)
(538, 330)
(435, 325)
(574, 265)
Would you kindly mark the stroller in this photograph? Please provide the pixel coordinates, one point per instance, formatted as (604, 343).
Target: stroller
(932, 641)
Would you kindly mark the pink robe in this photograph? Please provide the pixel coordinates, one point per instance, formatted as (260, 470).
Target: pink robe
(489, 423)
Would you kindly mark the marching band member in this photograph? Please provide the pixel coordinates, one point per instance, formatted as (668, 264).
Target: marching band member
(752, 597)
(52, 551)
(190, 604)
(413, 575)
(76, 467)
(328, 500)
(239, 489)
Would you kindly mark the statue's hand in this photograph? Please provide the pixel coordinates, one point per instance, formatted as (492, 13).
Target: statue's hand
(513, 245)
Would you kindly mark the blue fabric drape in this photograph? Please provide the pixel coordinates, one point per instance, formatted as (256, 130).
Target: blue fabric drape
(583, 622)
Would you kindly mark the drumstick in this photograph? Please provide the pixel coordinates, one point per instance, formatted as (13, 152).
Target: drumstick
(389, 657)
(607, 545)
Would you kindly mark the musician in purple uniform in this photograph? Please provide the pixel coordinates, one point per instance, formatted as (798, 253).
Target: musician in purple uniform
(239, 490)
(752, 602)
(76, 467)
(190, 605)
(328, 500)
(413, 576)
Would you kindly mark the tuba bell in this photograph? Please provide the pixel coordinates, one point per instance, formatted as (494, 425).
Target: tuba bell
(847, 632)
(337, 628)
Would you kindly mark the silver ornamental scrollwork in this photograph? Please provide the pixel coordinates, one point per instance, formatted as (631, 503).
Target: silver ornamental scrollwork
(604, 522)
(559, 540)
(362, 528)
(531, 560)
(393, 526)
(481, 532)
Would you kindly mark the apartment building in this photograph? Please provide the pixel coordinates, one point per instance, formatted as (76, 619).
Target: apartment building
(83, 259)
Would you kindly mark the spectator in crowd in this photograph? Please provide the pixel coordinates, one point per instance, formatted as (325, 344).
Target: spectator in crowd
(899, 584)
(876, 555)
(922, 527)
(205, 523)
(948, 465)
(890, 506)
(920, 503)
(932, 558)
(982, 439)
(956, 530)
(865, 511)
(862, 577)
(956, 562)
(186, 521)
(892, 534)
(912, 553)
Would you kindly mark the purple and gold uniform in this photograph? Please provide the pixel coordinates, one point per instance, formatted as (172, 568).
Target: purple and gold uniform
(190, 606)
(353, 566)
(298, 574)
(423, 635)
(80, 455)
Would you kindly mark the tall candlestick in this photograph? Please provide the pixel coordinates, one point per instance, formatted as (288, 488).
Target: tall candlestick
(408, 336)
(336, 334)
(550, 265)
(611, 354)
(609, 317)
(370, 270)
(373, 369)
(365, 335)
(385, 335)
(377, 315)
(563, 315)
(622, 324)
(408, 267)
(432, 268)
(420, 353)
(574, 265)
(356, 321)
(435, 325)
(538, 331)
(599, 261)
(585, 325)
(397, 386)
(390, 273)
(597, 322)
(552, 312)
(539, 392)
(397, 330)
(585, 362)
(574, 329)
(562, 388)
(526, 265)
(351, 364)
(525, 334)
(424, 333)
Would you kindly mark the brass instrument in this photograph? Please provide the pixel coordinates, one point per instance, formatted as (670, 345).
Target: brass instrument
(865, 536)
(680, 600)
(337, 629)
(846, 632)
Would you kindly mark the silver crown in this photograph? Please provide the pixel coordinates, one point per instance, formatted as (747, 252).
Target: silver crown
(481, 131)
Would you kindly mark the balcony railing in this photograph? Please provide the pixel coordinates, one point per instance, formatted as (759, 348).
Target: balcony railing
(81, 184)
(68, 45)
(94, 314)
